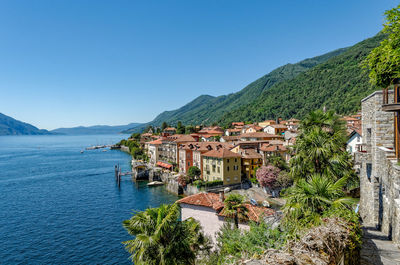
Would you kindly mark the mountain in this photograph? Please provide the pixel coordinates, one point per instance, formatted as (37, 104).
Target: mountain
(338, 84)
(96, 129)
(207, 109)
(10, 126)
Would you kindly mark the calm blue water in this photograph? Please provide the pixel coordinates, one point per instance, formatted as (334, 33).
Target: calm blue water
(58, 206)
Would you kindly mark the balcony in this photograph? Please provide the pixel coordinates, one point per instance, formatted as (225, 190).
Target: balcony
(392, 104)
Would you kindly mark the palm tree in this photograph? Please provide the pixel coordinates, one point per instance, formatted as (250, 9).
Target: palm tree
(308, 199)
(321, 148)
(235, 208)
(161, 238)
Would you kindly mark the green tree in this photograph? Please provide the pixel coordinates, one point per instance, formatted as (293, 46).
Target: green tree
(161, 238)
(189, 129)
(383, 62)
(180, 129)
(135, 136)
(194, 172)
(235, 208)
(149, 128)
(163, 126)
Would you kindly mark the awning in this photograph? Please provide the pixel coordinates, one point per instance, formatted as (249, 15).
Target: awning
(165, 165)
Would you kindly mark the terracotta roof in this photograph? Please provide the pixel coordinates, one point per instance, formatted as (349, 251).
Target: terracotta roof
(278, 126)
(249, 153)
(221, 153)
(231, 138)
(253, 212)
(259, 135)
(155, 142)
(279, 142)
(210, 200)
(170, 129)
(273, 148)
(234, 130)
(185, 138)
(240, 123)
(146, 134)
(215, 129)
(269, 121)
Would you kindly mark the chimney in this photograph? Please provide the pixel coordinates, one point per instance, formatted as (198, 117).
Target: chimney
(221, 196)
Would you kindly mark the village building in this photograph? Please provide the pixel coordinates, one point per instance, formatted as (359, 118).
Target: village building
(222, 164)
(264, 124)
(169, 131)
(257, 136)
(186, 156)
(377, 165)
(208, 210)
(293, 124)
(290, 137)
(251, 160)
(277, 129)
(274, 149)
(251, 128)
(352, 123)
(232, 132)
(153, 151)
(355, 140)
(238, 125)
(230, 139)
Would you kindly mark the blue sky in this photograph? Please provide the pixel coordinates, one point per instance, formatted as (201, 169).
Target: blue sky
(70, 63)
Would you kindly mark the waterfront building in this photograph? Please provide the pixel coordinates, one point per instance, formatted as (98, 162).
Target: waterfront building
(222, 164)
(251, 160)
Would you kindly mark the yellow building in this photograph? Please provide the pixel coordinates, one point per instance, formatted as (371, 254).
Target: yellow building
(250, 161)
(222, 164)
(266, 123)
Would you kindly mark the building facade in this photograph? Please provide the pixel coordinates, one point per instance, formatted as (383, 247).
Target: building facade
(222, 164)
(378, 169)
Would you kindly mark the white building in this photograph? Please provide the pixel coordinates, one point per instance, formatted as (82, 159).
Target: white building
(355, 139)
(208, 209)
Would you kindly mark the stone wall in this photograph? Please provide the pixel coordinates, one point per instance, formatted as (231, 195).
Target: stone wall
(378, 170)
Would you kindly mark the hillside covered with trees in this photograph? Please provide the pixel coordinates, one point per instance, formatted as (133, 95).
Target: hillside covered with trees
(208, 109)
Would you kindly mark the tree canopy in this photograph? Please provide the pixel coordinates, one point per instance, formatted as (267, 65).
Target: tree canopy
(383, 62)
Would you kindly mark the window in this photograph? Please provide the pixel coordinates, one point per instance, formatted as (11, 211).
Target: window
(227, 161)
(213, 168)
(236, 178)
(218, 170)
(369, 171)
(227, 168)
(188, 164)
(228, 179)
(235, 159)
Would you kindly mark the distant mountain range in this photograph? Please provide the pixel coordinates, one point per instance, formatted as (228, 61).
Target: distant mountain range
(96, 129)
(334, 80)
(11, 126)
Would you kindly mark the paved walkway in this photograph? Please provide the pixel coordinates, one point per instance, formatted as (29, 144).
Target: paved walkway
(377, 249)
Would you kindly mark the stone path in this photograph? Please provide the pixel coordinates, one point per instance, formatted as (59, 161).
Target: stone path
(377, 249)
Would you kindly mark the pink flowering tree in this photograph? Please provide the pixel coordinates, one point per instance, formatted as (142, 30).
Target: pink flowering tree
(183, 180)
(267, 176)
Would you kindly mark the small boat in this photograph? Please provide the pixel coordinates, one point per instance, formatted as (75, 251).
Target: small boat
(81, 151)
(155, 183)
(104, 150)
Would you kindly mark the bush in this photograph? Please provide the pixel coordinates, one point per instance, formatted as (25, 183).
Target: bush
(267, 176)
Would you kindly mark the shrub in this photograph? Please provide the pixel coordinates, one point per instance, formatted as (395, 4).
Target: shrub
(267, 176)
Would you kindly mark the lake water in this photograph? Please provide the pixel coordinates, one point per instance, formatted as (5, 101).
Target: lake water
(58, 206)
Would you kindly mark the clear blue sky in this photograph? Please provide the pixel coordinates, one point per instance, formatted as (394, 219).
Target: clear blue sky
(69, 63)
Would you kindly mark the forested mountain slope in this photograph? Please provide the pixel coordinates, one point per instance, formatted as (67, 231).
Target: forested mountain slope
(207, 109)
(339, 84)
